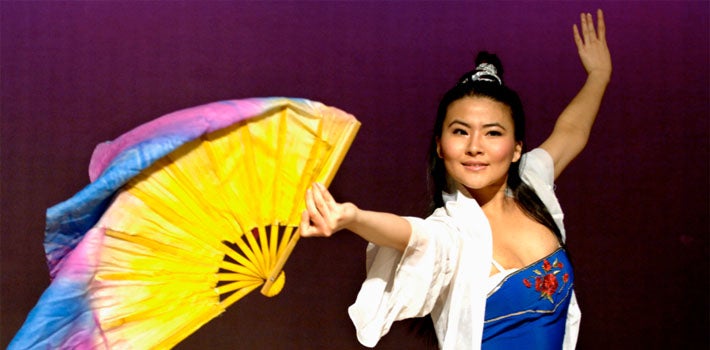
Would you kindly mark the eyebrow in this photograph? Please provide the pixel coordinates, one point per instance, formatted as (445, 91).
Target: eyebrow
(489, 125)
(458, 122)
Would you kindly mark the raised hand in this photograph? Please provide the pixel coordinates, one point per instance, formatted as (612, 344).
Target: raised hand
(592, 46)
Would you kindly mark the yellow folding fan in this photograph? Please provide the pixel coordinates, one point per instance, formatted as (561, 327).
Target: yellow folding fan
(209, 222)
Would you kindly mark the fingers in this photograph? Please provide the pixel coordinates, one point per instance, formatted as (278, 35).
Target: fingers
(319, 208)
(591, 44)
(577, 38)
(311, 219)
(601, 26)
(586, 34)
(584, 23)
(323, 200)
(324, 193)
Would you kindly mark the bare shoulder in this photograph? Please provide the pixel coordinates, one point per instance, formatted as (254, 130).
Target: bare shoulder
(519, 240)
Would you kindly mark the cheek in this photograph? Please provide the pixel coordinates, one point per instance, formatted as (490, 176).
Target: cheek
(449, 148)
(507, 152)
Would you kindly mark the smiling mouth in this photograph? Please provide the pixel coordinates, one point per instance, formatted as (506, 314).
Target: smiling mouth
(475, 166)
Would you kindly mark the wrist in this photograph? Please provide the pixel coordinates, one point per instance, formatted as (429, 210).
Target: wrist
(599, 76)
(351, 215)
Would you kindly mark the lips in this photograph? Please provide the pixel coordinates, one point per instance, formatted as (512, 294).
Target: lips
(475, 166)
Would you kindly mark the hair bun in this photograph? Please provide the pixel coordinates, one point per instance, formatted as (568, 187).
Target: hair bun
(490, 58)
(488, 69)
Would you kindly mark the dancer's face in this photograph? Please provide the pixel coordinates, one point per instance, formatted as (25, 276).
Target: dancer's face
(478, 144)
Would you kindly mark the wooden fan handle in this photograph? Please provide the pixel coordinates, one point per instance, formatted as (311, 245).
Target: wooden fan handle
(274, 273)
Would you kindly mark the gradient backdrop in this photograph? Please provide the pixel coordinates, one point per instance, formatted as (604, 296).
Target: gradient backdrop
(78, 73)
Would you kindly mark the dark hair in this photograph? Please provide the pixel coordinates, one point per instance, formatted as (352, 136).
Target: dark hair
(488, 87)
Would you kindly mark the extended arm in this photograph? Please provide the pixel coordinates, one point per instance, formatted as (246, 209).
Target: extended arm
(574, 124)
(324, 216)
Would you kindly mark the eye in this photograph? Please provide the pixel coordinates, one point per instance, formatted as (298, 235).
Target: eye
(459, 131)
(494, 133)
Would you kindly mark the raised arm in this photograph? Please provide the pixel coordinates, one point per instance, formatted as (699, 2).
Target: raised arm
(574, 124)
(324, 216)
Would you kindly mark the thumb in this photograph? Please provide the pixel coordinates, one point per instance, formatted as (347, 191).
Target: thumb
(305, 224)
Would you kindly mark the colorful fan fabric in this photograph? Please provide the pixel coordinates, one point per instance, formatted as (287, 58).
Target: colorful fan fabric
(185, 215)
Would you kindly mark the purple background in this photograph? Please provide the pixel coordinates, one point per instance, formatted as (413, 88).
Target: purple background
(78, 73)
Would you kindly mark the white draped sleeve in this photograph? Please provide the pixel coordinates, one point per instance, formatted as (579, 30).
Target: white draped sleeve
(438, 272)
(537, 169)
(402, 285)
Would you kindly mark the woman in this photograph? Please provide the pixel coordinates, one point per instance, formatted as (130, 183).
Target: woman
(489, 264)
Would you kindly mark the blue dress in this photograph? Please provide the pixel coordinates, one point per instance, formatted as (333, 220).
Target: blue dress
(528, 309)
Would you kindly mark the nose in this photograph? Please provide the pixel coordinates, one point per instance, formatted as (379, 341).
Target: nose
(475, 146)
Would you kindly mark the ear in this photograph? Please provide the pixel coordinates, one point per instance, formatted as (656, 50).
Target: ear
(518, 152)
(438, 147)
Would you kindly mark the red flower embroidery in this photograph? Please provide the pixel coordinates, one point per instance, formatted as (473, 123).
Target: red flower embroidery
(546, 265)
(548, 286)
(546, 282)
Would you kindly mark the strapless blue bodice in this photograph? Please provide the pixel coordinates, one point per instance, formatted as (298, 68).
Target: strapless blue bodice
(528, 309)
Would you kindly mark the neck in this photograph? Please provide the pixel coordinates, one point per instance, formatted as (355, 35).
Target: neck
(492, 199)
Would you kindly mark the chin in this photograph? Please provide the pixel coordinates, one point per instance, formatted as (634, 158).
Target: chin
(474, 188)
